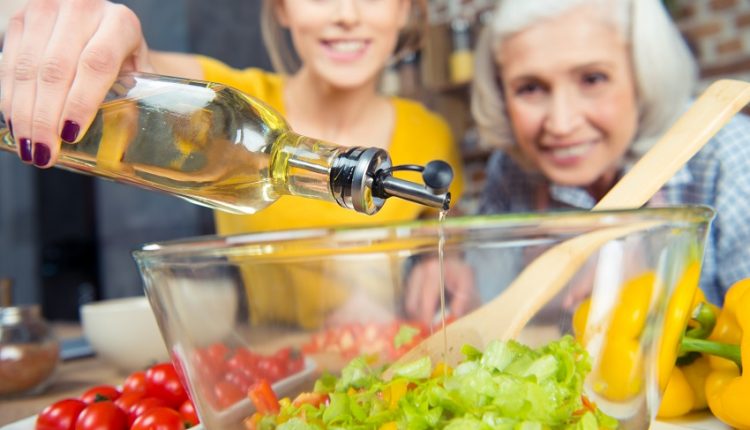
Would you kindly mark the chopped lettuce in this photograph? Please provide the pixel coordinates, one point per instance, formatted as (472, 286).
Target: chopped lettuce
(508, 386)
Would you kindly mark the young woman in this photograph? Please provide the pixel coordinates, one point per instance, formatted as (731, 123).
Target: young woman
(60, 58)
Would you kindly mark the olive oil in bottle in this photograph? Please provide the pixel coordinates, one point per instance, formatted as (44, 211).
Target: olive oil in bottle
(215, 146)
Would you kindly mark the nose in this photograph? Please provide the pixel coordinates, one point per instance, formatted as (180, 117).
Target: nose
(564, 114)
(347, 12)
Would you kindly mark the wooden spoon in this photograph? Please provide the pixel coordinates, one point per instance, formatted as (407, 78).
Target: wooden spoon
(505, 316)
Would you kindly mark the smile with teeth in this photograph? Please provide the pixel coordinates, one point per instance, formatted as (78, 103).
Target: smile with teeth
(572, 150)
(346, 46)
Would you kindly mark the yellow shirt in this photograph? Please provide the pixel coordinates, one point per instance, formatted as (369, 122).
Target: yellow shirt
(419, 137)
(293, 294)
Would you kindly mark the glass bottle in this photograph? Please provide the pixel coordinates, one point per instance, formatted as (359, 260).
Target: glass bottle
(215, 146)
(29, 351)
(462, 57)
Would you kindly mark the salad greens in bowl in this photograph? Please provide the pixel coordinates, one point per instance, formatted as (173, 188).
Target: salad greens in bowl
(509, 386)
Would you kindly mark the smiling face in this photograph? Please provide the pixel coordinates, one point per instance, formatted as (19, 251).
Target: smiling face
(346, 43)
(570, 95)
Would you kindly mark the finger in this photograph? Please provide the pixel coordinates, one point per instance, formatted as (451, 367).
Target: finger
(11, 43)
(413, 286)
(76, 22)
(39, 19)
(430, 294)
(464, 295)
(117, 38)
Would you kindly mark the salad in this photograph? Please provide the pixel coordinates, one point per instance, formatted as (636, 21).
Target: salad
(508, 386)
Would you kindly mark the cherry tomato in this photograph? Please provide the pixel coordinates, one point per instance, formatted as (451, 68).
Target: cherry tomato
(295, 364)
(135, 383)
(240, 378)
(188, 413)
(61, 415)
(162, 381)
(144, 405)
(127, 400)
(226, 394)
(159, 419)
(271, 368)
(100, 392)
(102, 415)
(211, 362)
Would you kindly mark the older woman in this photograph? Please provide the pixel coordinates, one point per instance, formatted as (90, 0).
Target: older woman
(572, 93)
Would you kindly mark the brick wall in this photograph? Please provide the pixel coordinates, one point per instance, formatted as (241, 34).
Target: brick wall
(718, 30)
(719, 33)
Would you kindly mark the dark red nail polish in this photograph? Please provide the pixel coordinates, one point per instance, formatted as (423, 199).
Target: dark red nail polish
(10, 127)
(41, 154)
(70, 131)
(25, 148)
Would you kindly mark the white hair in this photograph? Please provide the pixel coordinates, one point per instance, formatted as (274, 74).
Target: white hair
(665, 70)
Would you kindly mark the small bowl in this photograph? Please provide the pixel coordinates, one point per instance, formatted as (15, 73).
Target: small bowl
(124, 332)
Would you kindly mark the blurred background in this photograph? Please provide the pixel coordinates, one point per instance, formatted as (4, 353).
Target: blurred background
(63, 249)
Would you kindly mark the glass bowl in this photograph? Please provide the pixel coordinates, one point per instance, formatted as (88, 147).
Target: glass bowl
(289, 305)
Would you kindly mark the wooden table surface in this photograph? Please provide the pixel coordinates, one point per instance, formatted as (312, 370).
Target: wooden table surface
(72, 378)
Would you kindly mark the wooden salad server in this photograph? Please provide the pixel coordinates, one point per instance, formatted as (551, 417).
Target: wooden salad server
(504, 316)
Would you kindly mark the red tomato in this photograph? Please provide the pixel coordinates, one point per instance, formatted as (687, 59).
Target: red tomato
(295, 364)
(188, 413)
(159, 419)
(127, 400)
(162, 381)
(226, 394)
(135, 383)
(102, 415)
(242, 379)
(61, 415)
(271, 369)
(142, 406)
(100, 392)
(218, 352)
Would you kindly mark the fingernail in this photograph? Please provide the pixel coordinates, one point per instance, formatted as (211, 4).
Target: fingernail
(10, 127)
(25, 146)
(70, 131)
(41, 154)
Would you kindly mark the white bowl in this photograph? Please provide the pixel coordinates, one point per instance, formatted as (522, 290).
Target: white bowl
(124, 332)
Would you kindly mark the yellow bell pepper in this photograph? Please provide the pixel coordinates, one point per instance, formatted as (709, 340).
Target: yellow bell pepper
(685, 390)
(619, 375)
(676, 318)
(728, 384)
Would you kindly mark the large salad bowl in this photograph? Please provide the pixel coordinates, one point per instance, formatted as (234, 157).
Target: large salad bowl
(289, 306)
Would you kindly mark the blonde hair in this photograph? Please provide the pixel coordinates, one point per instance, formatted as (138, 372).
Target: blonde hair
(285, 60)
(664, 69)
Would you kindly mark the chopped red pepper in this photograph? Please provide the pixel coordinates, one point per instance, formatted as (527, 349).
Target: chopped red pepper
(263, 397)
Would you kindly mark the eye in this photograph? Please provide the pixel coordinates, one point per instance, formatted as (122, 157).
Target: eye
(594, 78)
(528, 89)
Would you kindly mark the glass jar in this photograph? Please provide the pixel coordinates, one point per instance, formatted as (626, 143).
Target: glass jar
(29, 351)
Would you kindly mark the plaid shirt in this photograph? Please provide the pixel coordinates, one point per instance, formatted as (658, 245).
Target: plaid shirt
(718, 176)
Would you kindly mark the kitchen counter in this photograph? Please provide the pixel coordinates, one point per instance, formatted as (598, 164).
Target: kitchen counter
(76, 376)
(73, 377)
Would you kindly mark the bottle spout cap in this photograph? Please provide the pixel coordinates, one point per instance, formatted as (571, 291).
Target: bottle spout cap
(362, 179)
(437, 176)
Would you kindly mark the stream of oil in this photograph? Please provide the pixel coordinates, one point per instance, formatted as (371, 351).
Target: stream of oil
(441, 264)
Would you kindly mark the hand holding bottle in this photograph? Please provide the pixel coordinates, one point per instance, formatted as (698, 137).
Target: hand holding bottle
(59, 60)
